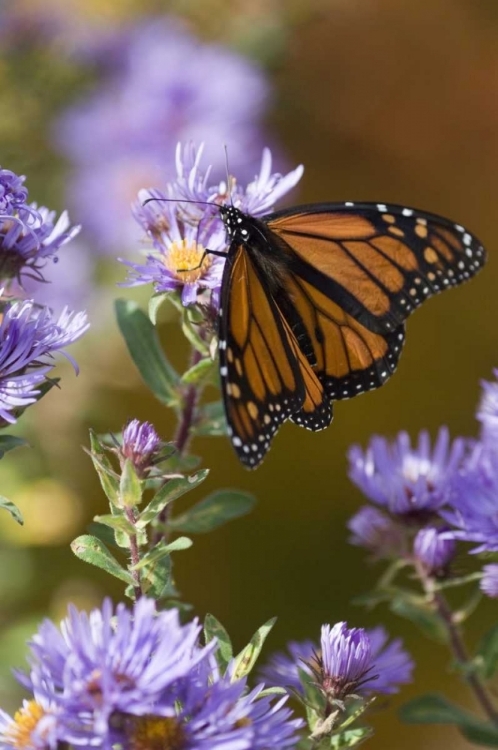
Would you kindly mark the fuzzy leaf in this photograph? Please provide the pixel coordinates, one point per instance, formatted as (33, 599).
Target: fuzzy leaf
(145, 349)
(155, 303)
(9, 442)
(172, 490)
(107, 476)
(92, 550)
(211, 420)
(14, 511)
(246, 659)
(428, 622)
(202, 373)
(190, 331)
(157, 581)
(130, 487)
(162, 550)
(214, 629)
(350, 737)
(216, 509)
(117, 522)
(436, 709)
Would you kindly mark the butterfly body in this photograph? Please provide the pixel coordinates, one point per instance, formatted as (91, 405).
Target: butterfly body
(313, 305)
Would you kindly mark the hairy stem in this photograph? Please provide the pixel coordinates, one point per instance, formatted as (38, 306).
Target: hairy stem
(457, 645)
(134, 554)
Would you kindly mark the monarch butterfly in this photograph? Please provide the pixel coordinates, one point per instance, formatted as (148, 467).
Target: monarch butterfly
(313, 304)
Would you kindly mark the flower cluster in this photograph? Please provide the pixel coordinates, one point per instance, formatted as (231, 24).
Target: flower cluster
(181, 233)
(163, 85)
(428, 500)
(138, 679)
(348, 661)
(29, 234)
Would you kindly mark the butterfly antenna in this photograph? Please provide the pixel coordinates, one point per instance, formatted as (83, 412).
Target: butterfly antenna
(178, 200)
(229, 191)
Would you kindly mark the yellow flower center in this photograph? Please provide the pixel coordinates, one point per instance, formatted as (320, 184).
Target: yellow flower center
(155, 733)
(25, 721)
(187, 262)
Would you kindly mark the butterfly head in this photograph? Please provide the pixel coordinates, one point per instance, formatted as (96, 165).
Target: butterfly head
(235, 223)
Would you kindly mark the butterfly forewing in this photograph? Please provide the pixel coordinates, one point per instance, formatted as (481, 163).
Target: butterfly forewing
(377, 262)
(259, 361)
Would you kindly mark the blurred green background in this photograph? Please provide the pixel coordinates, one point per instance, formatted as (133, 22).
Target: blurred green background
(381, 100)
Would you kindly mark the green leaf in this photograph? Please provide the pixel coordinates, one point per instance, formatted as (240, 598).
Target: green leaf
(428, 621)
(155, 303)
(14, 511)
(102, 532)
(172, 490)
(9, 442)
(487, 653)
(216, 509)
(145, 349)
(201, 373)
(350, 737)
(214, 629)
(211, 420)
(436, 709)
(246, 659)
(157, 581)
(162, 550)
(117, 522)
(130, 487)
(107, 476)
(92, 550)
(189, 328)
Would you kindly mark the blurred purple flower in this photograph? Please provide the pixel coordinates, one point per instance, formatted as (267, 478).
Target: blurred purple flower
(489, 580)
(408, 482)
(67, 280)
(377, 532)
(29, 234)
(29, 336)
(351, 660)
(473, 508)
(168, 86)
(282, 670)
(181, 232)
(487, 412)
(434, 549)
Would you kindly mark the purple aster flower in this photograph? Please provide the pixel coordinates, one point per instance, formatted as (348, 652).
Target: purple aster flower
(392, 664)
(489, 580)
(487, 412)
(29, 336)
(283, 667)
(164, 86)
(408, 482)
(141, 444)
(113, 662)
(434, 550)
(349, 661)
(473, 509)
(181, 232)
(29, 234)
(377, 532)
(179, 260)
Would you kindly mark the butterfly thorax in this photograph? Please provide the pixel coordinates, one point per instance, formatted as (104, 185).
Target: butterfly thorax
(267, 253)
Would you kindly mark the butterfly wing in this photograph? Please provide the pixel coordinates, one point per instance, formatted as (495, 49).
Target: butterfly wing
(378, 263)
(265, 375)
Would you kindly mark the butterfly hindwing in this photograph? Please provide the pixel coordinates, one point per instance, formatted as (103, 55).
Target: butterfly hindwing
(377, 262)
(348, 358)
(265, 376)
